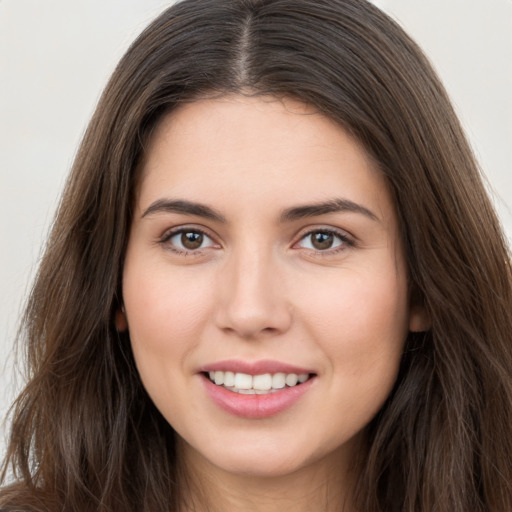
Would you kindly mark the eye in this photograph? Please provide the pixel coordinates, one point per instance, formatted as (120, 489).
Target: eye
(188, 240)
(324, 240)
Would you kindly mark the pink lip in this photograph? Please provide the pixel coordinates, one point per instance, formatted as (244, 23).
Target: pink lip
(253, 367)
(255, 406)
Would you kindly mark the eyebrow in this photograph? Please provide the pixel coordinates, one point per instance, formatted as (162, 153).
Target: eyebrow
(288, 215)
(323, 208)
(185, 207)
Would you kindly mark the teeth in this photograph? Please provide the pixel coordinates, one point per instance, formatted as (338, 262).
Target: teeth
(229, 379)
(291, 379)
(242, 381)
(257, 384)
(262, 382)
(278, 381)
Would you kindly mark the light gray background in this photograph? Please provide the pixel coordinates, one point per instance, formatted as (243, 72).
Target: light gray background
(56, 55)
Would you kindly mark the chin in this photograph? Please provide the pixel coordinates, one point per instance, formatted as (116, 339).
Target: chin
(270, 466)
(266, 460)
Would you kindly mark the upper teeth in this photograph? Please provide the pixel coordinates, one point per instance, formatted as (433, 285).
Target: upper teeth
(242, 382)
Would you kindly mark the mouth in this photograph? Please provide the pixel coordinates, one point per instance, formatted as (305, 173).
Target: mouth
(262, 384)
(257, 389)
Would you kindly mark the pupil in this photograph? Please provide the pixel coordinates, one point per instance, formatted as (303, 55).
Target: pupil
(191, 240)
(322, 240)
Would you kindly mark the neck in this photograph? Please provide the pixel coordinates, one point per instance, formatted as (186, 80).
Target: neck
(323, 486)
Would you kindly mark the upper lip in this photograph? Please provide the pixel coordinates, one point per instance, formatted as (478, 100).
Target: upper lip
(254, 367)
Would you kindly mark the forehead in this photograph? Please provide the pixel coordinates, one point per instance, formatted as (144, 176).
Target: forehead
(262, 147)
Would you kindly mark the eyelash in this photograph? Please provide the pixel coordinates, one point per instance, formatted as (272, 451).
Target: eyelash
(345, 241)
(180, 231)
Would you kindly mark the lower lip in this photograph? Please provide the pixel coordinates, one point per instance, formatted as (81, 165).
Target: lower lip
(256, 406)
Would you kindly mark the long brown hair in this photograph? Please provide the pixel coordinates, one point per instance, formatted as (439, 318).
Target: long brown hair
(85, 436)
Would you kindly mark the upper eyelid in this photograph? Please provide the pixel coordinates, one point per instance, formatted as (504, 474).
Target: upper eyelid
(170, 232)
(299, 235)
(164, 241)
(328, 229)
(348, 241)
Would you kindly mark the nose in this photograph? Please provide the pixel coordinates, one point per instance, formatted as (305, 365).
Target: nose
(252, 300)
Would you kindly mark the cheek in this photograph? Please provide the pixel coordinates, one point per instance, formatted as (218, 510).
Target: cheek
(360, 322)
(164, 311)
(166, 315)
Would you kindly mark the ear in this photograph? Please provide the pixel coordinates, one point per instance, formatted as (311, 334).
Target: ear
(419, 319)
(120, 320)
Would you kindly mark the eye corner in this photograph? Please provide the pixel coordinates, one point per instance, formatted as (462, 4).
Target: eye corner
(324, 240)
(183, 245)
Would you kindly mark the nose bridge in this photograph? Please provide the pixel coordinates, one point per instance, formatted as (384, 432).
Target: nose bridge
(253, 300)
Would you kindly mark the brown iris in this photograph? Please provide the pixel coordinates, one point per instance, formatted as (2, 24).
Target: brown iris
(191, 239)
(322, 240)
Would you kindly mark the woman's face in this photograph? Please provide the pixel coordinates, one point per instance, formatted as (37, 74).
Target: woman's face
(264, 251)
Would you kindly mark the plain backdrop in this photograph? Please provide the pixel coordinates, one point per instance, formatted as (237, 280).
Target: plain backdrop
(56, 55)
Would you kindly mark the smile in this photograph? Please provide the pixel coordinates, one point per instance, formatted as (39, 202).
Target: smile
(256, 384)
(256, 390)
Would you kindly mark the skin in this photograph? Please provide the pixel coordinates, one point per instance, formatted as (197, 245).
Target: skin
(259, 288)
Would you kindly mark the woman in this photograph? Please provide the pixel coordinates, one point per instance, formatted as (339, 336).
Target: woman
(275, 280)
